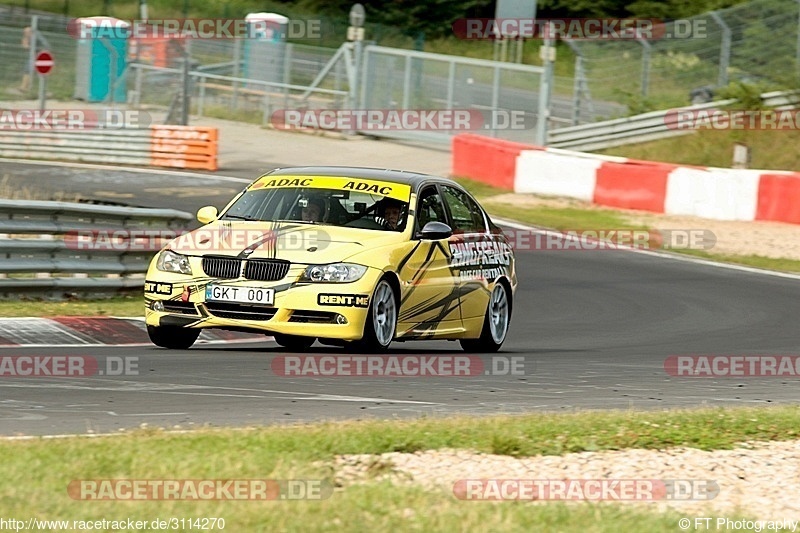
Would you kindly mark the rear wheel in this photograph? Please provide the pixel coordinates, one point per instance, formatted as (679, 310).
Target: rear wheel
(381, 319)
(495, 324)
(172, 337)
(294, 342)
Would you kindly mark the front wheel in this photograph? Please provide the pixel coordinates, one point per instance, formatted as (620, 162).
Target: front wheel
(294, 342)
(381, 322)
(495, 324)
(172, 337)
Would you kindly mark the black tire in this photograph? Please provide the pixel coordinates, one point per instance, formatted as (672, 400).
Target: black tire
(294, 342)
(381, 324)
(495, 323)
(172, 337)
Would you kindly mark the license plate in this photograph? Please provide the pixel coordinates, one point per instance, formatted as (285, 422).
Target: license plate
(238, 294)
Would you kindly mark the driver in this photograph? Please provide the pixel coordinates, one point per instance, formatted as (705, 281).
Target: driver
(391, 213)
(314, 209)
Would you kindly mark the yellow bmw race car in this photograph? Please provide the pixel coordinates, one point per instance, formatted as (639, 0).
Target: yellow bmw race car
(348, 256)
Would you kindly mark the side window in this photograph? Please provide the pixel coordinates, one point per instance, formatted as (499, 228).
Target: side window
(429, 207)
(467, 216)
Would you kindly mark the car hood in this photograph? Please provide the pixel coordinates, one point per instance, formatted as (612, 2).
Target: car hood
(295, 242)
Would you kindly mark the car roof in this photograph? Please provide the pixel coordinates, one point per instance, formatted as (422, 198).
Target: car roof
(415, 179)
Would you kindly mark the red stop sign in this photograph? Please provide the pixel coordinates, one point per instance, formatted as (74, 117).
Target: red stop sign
(44, 62)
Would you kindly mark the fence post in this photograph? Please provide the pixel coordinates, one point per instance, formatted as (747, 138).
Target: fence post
(725, 50)
(645, 66)
(797, 57)
(202, 102)
(406, 83)
(237, 58)
(495, 98)
(545, 86)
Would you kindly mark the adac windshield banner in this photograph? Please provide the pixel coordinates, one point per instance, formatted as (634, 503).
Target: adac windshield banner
(398, 191)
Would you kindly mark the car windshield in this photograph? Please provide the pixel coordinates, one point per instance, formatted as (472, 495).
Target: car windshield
(346, 202)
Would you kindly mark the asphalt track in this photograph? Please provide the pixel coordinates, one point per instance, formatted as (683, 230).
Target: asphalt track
(593, 328)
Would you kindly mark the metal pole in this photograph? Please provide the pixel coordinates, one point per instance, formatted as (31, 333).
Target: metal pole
(725, 49)
(645, 66)
(545, 85)
(357, 72)
(186, 82)
(138, 85)
(451, 79)
(33, 43)
(798, 38)
(202, 101)
(576, 90)
(237, 54)
(42, 86)
(407, 83)
(495, 99)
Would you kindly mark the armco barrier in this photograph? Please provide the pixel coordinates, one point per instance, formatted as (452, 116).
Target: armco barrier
(715, 193)
(111, 261)
(166, 146)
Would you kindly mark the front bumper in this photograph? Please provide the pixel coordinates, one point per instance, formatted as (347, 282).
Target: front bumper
(323, 310)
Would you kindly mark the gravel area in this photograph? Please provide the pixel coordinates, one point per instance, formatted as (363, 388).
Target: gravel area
(768, 239)
(757, 480)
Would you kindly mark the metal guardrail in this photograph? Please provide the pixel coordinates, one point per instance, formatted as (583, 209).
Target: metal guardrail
(647, 126)
(57, 262)
(128, 146)
(166, 146)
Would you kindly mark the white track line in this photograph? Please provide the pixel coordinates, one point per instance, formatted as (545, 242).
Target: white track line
(663, 255)
(126, 169)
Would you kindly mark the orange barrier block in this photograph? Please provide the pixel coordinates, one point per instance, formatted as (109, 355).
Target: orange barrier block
(632, 185)
(492, 161)
(184, 147)
(779, 198)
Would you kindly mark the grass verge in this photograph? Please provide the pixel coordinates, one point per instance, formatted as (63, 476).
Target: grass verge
(572, 218)
(120, 306)
(39, 472)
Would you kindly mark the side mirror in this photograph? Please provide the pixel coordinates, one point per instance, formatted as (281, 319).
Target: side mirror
(436, 231)
(207, 214)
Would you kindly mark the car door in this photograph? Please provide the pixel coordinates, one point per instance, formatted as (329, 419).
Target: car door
(430, 298)
(469, 247)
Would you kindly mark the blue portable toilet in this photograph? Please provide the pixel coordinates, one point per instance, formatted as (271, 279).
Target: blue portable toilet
(101, 58)
(265, 47)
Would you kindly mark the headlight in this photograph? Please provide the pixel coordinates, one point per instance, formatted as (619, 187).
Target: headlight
(335, 273)
(169, 261)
